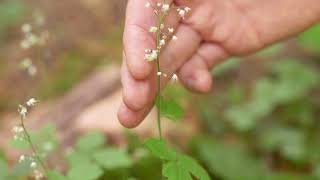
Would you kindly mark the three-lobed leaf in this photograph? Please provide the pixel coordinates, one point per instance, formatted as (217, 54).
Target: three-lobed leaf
(112, 158)
(85, 172)
(159, 149)
(90, 141)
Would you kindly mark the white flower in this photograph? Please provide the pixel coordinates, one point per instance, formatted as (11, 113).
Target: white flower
(17, 129)
(174, 78)
(174, 38)
(33, 39)
(147, 5)
(153, 29)
(165, 7)
(26, 28)
(33, 165)
(25, 44)
(171, 30)
(182, 13)
(153, 55)
(32, 70)
(159, 73)
(187, 9)
(37, 174)
(162, 42)
(26, 63)
(22, 158)
(31, 102)
(22, 111)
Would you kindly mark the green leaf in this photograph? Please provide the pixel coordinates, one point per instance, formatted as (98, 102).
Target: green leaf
(3, 169)
(171, 109)
(229, 162)
(159, 149)
(55, 175)
(271, 50)
(194, 167)
(90, 141)
(85, 172)
(311, 38)
(183, 168)
(112, 158)
(174, 170)
(22, 168)
(226, 66)
(77, 158)
(44, 139)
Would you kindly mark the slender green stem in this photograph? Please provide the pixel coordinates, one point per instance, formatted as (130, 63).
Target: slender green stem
(158, 98)
(33, 148)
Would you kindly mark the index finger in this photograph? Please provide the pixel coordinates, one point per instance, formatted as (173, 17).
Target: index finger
(137, 37)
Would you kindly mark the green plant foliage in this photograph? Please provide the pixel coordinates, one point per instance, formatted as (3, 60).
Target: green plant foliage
(11, 12)
(177, 166)
(77, 157)
(225, 66)
(159, 149)
(85, 172)
(112, 158)
(311, 38)
(90, 142)
(171, 109)
(21, 169)
(290, 81)
(229, 161)
(172, 99)
(271, 50)
(289, 141)
(55, 175)
(4, 171)
(45, 139)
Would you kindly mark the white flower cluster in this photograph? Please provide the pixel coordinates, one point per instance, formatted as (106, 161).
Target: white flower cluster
(18, 133)
(33, 165)
(27, 65)
(21, 134)
(31, 39)
(23, 109)
(163, 34)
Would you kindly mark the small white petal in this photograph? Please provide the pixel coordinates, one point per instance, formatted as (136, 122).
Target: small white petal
(171, 30)
(162, 42)
(187, 9)
(31, 102)
(33, 165)
(165, 7)
(26, 28)
(153, 29)
(174, 38)
(174, 78)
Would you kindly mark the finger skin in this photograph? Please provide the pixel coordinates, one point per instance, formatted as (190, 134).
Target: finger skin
(135, 92)
(131, 119)
(136, 37)
(195, 74)
(172, 58)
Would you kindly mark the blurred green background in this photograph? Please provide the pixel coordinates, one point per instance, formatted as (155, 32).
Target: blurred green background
(261, 121)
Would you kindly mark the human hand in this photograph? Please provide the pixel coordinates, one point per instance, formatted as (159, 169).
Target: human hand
(215, 30)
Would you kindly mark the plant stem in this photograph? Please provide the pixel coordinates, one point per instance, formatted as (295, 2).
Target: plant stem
(158, 98)
(33, 148)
